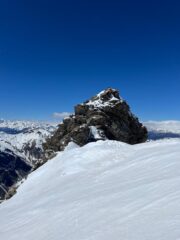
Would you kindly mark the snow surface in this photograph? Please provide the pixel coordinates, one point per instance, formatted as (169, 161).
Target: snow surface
(102, 191)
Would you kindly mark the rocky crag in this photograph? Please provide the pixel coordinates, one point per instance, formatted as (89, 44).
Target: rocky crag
(23, 147)
(104, 116)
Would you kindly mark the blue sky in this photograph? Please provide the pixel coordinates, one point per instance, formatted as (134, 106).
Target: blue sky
(55, 54)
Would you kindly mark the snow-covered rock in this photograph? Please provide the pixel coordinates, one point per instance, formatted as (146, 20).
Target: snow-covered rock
(104, 190)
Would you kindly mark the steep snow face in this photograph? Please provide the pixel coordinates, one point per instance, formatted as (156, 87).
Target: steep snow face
(104, 190)
(163, 129)
(24, 138)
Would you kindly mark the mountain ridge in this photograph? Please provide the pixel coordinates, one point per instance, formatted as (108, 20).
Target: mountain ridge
(104, 116)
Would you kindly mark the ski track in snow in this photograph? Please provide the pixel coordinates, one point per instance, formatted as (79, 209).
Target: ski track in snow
(102, 191)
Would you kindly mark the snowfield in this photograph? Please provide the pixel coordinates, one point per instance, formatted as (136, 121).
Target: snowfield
(102, 191)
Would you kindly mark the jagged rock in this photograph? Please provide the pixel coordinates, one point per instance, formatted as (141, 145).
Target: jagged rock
(105, 116)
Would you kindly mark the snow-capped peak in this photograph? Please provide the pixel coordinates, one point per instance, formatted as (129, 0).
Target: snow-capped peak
(105, 98)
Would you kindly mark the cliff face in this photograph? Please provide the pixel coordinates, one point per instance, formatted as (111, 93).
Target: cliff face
(13, 168)
(105, 116)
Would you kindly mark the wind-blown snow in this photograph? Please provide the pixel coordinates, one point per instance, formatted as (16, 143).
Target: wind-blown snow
(102, 191)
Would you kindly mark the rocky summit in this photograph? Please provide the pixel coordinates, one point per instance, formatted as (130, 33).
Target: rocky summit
(104, 116)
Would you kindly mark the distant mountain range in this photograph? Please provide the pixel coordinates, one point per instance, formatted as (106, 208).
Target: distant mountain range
(20, 150)
(21, 146)
(163, 129)
(24, 138)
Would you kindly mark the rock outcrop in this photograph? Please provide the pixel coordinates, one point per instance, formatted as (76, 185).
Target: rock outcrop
(105, 116)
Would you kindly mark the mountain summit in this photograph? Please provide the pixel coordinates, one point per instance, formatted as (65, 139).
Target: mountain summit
(104, 116)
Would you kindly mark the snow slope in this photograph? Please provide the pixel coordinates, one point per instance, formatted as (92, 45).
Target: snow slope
(102, 191)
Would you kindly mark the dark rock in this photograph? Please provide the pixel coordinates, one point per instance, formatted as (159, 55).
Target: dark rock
(105, 116)
(12, 169)
(81, 109)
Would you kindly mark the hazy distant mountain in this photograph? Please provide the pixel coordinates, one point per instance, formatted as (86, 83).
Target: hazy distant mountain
(163, 129)
(25, 137)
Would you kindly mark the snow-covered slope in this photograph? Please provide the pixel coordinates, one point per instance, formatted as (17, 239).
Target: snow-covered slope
(102, 191)
(163, 129)
(24, 138)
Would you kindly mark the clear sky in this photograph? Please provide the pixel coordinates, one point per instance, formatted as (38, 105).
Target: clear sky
(54, 54)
